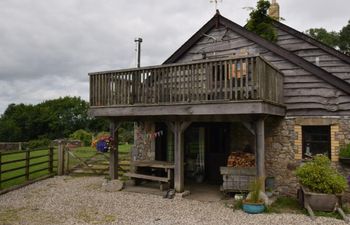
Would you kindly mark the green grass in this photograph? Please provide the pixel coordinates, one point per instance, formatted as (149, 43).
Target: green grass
(285, 205)
(291, 205)
(22, 155)
(88, 152)
(83, 152)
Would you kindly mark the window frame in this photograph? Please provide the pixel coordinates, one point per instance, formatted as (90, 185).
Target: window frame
(305, 141)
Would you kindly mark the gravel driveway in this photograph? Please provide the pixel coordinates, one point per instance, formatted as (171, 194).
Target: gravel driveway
(67, 200)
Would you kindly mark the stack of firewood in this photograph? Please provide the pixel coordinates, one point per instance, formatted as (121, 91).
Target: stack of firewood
(241, 159)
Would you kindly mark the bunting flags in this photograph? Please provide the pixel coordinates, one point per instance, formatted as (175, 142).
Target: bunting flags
(154, 135)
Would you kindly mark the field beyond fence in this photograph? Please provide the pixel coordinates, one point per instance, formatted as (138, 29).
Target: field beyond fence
(25, 166)
(18, 167)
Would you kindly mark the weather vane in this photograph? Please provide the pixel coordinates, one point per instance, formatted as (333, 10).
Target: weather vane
(216, 3)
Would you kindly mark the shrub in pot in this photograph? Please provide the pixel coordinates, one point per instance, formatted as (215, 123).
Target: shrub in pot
(321, 184)
(254, 203)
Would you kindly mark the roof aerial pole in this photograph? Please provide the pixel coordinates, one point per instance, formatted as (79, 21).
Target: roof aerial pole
(216, 3)
(138, 50)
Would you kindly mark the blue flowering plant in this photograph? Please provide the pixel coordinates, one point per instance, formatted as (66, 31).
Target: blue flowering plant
(103, 144)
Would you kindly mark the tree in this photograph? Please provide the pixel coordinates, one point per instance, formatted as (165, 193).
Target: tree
(338, 40)
(321, 34)
(344, 39)
(261, 23)
(51, 119)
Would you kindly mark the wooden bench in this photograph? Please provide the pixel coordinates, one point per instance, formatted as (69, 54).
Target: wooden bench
(140, 166)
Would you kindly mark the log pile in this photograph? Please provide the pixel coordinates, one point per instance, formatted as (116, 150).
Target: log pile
(241, 159)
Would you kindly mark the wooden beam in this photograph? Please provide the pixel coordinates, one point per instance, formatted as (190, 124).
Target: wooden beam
(185, 125)
(179, 158)
(215, 108)
(60, 158)
(260, 149)
(113, 159)
(178, 128)
(249, 126)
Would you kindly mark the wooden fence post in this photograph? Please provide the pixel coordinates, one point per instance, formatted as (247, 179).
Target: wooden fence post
(51, 159)
(60, 166)
(27, 163)
(66, 157)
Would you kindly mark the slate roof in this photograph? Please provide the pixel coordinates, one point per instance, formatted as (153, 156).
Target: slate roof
(278, 50)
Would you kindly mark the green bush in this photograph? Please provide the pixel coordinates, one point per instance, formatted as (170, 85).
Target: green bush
(83, 136)
(102, 134)
(126, 136)
(37, 144)
(320, 177)
(345, 152)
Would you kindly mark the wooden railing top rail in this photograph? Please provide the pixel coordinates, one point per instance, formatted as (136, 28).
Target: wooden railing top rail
(10, 152)
(175, 64)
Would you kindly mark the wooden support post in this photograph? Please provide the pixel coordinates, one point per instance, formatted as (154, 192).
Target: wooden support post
(260, 149)
(60, 166)
(66, 160)
(309, 210)
(113, 158)
(51, 159)
(27, 163)
(341, 212)
(178, 129)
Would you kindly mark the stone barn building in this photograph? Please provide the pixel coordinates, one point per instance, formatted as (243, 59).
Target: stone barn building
(227, 89)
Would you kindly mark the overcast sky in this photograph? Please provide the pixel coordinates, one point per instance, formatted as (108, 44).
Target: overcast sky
(47, 47)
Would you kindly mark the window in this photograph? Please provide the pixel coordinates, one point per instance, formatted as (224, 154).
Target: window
(316, 140)
(240, 70)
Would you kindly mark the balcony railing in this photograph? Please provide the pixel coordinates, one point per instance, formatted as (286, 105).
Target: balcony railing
(229, 79)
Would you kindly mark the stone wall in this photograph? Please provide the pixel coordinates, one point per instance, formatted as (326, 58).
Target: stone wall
(283, 147)
(144, 146)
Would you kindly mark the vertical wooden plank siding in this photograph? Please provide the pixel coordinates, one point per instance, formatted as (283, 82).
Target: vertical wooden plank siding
(156, 85)
(182, 82)
(230, 79)
(163, 83)
(192, 90)
(246, 65)
(214, 65)
(203, 86)
(235, 72)
(252, 78)
(225, 79)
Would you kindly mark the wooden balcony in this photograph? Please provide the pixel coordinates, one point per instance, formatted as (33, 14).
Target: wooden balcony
(244, 85)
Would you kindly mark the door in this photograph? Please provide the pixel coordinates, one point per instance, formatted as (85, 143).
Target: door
(217, 149)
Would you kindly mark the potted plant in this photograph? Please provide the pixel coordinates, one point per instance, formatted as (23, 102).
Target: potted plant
(254, 203)
(103, 144)
(321, 185)
(344, 154)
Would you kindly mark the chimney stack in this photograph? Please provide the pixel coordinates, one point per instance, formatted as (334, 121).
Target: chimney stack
(274, 10)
